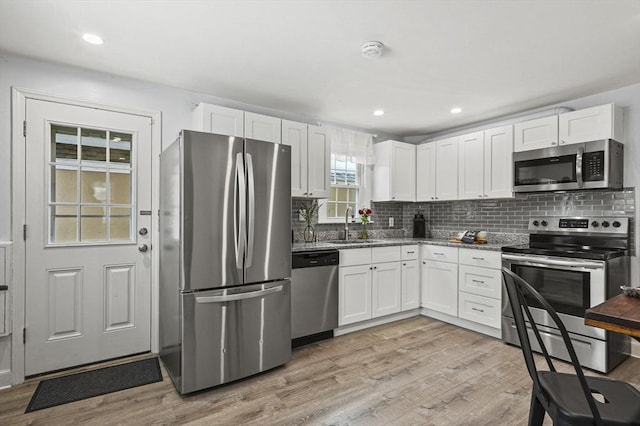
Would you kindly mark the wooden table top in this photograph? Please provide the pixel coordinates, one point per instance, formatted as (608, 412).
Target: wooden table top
(621, 314)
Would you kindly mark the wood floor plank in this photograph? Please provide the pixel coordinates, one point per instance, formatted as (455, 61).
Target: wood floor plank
(415, 371)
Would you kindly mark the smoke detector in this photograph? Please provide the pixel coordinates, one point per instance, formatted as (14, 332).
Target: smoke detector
(372, 49)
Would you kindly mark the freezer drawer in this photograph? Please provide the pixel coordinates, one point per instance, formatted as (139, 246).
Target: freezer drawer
(232, 333)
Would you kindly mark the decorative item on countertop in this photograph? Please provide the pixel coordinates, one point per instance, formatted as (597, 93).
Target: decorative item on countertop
(364, 213)
(630, 291)
(419, 225)
(470, 237)
(308, 212)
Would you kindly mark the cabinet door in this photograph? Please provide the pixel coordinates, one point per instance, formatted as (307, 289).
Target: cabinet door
(498, 162)
(295, 135)
(410, 285)
(319, 162)
(262, 127)
(471, 166)
(440, 286)
(386, 293)
(403, 172)
(426, 172)
(534, 134)
(447, 169)
(588, 124)
(354, 302)
(218, 119)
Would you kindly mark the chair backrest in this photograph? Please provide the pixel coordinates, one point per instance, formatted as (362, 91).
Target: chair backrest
(516, 289)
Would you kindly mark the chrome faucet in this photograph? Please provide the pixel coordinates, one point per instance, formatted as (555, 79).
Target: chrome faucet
(346, 222)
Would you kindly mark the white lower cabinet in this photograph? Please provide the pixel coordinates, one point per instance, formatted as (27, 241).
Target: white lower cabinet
(440, 286)
(480, 286)
(355, 294)
(371, 284)
(410, 285)
(386, 294)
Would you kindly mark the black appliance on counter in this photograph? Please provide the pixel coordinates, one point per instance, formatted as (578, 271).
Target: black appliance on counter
(419, 225)
(575, 263)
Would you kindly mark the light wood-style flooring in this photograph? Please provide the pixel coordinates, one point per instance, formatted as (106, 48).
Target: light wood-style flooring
(413, 372)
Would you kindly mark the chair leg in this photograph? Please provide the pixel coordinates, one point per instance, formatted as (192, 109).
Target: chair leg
(536, 411)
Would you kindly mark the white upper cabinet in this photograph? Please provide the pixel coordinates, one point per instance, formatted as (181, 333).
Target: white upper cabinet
(262, 127)
(295, 135)
(310, 159)
(498, 162)
(319, 162)
(590, 124)
(471, 166)
(534, 134)
(426, 172)
(394, 175)
(584, 125)
(447, 169)
(218, 119)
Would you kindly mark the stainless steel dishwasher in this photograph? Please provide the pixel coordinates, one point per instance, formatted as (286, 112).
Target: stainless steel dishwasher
(314, 295)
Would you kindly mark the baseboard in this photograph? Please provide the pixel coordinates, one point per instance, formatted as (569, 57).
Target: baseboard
(469, 325)
(350, 328)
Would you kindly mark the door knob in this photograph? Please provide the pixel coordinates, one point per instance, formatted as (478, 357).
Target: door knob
(143, 247)
(143, 231)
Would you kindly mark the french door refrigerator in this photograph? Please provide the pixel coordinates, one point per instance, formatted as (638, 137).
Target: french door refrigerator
(225, 258)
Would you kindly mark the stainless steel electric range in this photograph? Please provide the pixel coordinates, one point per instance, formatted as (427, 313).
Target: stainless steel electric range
(574, 263)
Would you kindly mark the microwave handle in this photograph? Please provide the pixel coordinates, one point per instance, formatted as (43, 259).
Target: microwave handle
(579, 179)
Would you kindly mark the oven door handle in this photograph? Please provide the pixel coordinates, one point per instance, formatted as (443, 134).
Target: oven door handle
(536, 261)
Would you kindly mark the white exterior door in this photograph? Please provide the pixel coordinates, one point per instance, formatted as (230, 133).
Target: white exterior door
(88, 208)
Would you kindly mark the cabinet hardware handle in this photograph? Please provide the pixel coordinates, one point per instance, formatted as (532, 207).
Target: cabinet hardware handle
(311, 193)
(404, 264)
(478, 281)
(476, 309)
(432, 198)
(410, 252)
(478, 258)
(424, 263)
(306, 193)
(375, 267)
(438, 254)
(480, 195)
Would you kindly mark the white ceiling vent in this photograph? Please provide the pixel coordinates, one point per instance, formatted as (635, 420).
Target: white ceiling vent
(372, 49)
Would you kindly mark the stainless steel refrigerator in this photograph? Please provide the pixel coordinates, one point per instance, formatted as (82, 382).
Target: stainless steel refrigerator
(225, 258)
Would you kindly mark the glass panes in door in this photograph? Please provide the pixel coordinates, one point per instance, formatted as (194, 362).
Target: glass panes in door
(91, 191)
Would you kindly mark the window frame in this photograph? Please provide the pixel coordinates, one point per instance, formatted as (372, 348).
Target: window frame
(361, 187)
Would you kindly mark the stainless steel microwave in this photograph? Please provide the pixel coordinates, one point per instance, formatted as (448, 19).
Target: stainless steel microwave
(589, 165)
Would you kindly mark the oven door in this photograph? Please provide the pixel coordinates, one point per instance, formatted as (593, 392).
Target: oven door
(569, 285)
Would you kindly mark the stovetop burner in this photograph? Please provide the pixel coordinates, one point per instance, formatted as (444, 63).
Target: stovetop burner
(578, 238)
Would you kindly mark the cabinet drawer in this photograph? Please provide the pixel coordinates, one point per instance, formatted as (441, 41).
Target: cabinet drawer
(482, 258)
(481, 281)
(482, 310)
(410, 252)
(353, 257)
(440, 253)
(385, 254)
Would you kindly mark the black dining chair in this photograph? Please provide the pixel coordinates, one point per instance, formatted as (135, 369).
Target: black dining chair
(569, 399)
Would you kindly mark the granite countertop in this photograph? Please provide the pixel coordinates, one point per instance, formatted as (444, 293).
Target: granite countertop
(326, 245)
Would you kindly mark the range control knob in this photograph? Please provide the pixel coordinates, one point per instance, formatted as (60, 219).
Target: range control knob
(535, 223)
(544, 223)
(616, 224)
(605, 224)
(595, 224)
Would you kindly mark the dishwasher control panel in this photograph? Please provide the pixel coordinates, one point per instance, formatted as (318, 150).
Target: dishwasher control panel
(314, 259)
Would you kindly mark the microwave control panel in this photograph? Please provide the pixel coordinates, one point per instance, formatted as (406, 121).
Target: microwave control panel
(593, 166)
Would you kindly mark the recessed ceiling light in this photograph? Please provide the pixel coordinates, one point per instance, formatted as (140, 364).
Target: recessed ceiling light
(92, 38)
(378, 112)
(456, 110)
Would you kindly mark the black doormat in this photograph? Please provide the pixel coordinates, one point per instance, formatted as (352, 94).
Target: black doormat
(62, 390)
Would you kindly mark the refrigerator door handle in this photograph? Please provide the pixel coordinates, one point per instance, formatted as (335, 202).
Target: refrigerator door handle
(251, 210)
(238, 296)
(239, 211)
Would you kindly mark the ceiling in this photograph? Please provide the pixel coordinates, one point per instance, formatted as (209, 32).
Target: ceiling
(489, 58)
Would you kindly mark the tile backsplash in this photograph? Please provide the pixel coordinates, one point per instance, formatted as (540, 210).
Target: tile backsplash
(505, 220)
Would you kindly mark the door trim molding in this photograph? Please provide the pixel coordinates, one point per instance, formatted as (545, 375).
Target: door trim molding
(19, 97)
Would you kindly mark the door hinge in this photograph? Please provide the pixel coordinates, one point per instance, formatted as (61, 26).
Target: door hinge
(24, 128)
(24, 232)
(24, 336)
